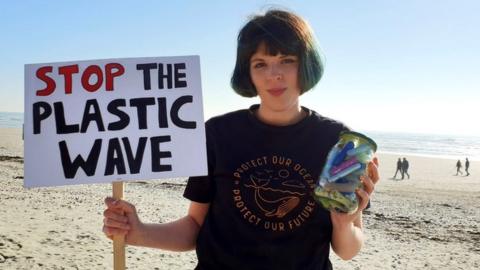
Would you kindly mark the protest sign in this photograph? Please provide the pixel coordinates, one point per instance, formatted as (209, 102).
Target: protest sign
(111, 120)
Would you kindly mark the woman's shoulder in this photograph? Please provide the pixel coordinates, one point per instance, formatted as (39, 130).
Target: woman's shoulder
(326, 122)
(228, 121)
(229, 117)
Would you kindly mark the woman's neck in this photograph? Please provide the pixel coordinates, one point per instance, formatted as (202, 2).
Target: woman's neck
(286, 117)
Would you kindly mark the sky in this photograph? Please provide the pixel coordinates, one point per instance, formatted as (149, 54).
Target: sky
(398, 66)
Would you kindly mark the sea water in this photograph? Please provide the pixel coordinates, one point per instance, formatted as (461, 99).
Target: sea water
(432, 145)
(11, 120)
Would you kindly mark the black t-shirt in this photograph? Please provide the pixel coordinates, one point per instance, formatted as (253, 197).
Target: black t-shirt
(261, 177)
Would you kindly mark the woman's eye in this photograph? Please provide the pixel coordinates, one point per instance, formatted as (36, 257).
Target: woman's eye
(258, 65)
(288, 60)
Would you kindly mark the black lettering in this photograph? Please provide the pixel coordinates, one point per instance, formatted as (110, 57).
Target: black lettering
(157, 155)
(162, 113)
(162, 76)
(146, 74)
(88, 117)
(179, 75)
(62, 127)
(141, 104)
(135, 162)
(124, 119)
(114, 158)
(70, 168)
(177, 104)
(39, 115)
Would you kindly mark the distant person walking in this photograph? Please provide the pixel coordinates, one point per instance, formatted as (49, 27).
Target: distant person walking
(459, 167)
(399, 168)
(467, 165)
(405, 166)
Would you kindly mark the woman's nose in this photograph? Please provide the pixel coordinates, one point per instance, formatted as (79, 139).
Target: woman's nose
(275, 72)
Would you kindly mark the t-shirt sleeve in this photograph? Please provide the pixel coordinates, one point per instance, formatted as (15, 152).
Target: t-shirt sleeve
(202, 188)
(333, 128)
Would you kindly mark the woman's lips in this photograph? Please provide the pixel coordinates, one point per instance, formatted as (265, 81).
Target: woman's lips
(276, 91)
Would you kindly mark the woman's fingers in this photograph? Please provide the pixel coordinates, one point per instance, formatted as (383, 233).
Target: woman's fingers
(120, 205)
(368, 184)
(110, 232)
(109, 201)
(375, 160)
(115, 215)
(372, 169)
(116, 224)
(119, 217)
(364, 197)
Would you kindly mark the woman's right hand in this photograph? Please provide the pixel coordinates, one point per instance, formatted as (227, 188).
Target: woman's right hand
(120, 218)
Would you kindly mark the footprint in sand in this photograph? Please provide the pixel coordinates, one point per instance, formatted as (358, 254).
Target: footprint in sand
(7, 245)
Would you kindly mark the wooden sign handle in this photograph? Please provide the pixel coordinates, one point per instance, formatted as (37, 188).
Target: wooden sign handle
(118, 241)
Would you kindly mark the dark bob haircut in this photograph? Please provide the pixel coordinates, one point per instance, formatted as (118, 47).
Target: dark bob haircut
(282, 32)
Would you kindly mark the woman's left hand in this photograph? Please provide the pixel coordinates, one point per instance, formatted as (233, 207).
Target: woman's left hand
(369, 180)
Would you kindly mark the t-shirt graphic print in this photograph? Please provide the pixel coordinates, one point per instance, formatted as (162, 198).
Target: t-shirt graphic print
(279, 187)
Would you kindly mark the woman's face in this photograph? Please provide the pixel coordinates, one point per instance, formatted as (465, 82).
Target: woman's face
(276, 79)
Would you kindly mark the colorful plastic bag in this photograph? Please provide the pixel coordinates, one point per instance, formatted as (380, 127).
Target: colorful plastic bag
(346, 162)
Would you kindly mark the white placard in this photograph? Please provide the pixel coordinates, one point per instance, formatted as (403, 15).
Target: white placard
(113, 120)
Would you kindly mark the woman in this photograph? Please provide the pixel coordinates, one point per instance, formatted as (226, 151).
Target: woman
(255, 210)
(459, 167)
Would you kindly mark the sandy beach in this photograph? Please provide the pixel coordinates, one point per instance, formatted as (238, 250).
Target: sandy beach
(430, 221)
